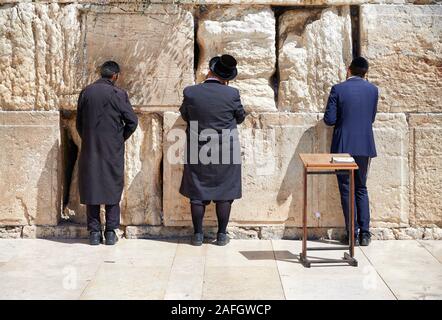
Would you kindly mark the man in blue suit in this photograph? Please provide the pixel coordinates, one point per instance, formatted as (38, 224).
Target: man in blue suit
(351, 109)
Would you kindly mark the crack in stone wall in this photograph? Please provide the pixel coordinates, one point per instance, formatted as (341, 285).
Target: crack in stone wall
(355, 30)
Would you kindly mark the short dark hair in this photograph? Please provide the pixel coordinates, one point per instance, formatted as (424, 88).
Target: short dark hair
(109, 68)
(359, 67)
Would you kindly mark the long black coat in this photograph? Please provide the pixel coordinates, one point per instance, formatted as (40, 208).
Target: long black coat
(105, 119)
(215, 106)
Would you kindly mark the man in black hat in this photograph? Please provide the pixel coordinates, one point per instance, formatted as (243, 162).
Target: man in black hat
(351, 109)
(212, 106)
(105, 120)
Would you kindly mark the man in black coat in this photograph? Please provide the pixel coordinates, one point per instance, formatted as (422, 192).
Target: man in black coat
(351, 109)
(105, 120)
(212, 171)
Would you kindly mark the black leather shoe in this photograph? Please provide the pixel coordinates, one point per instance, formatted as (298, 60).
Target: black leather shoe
(222, 239)
(345, 240)
(364, 239)
(95, 238)
(197, 239)
(111, 237)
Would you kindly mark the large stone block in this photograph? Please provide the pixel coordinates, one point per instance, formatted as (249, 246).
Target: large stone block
(388, 183)
(426, 164)
(293, 2)
(314, 50)
(141, 200)
(30, 168)
(388, 177)
(154, 47)
(298, 2)
(38, 56)
(272, 171)
(248, 34)
(403, 45)
(175, 207)
(236, 2)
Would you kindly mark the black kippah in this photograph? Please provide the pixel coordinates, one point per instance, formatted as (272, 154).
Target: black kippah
(359, 62)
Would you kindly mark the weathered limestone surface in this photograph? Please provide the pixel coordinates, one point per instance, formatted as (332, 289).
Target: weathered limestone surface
(141, 199)
(389, 200)
(50, 49)
(294, 2)
(404, 47)
(10, 232)
(38, 55)
(236, 2)
(388, 182)
(176, 208)
(272, 171)
(75, 231)
(248, 34)
(63, 231)
(389, 194)
(235, 232)
(155, 50)
(426, 173)
(314, 50)
(30, 168)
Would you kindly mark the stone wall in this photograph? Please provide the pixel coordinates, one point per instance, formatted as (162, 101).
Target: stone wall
(290, 53)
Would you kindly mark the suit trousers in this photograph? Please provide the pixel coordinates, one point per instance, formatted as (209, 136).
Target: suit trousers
(362, 207)
(112, 217)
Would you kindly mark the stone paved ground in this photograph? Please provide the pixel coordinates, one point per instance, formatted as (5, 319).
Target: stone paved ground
(245, 269)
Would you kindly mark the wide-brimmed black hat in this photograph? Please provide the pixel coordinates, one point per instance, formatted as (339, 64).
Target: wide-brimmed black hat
(224, 67)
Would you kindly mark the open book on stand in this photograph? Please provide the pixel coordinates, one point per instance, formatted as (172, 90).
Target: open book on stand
(336, 159)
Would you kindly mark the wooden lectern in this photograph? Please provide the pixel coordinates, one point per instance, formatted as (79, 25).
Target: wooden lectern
(322, 164)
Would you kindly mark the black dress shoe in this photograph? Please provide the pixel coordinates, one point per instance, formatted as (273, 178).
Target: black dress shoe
(95, 238)
(222, 239)
(365, 239)
(345, 240)
(111, 237)
(197, 239)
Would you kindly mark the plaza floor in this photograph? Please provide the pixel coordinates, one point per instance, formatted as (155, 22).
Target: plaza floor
(244, 269)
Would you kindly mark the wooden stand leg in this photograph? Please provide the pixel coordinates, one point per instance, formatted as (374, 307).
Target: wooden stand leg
(352, 213)
(304, 219)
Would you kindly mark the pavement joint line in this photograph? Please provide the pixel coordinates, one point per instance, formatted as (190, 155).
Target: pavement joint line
(171, 268)
(92, 279)
(100, 265)
(380, 276)
(277, 269)
(204, 272)
(431, 253)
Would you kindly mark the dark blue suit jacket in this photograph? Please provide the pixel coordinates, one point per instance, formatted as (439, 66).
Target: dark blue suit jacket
(351, 109)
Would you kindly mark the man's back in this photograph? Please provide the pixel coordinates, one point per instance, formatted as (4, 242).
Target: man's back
(105, 119)
(351, 109)
(104, 111)
(213, 105)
